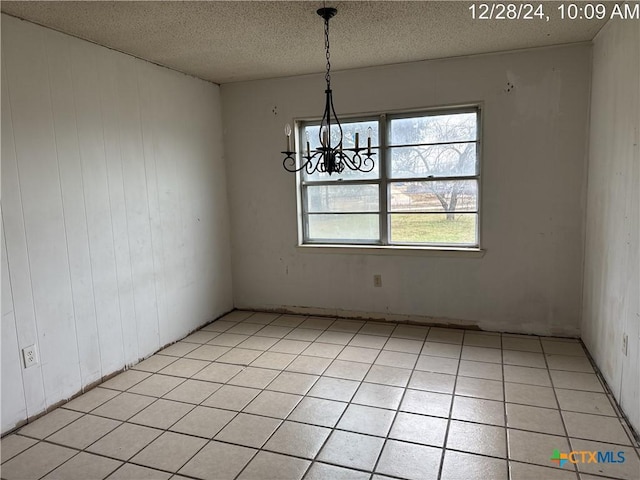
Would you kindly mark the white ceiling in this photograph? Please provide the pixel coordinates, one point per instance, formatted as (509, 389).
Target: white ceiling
(229, 41)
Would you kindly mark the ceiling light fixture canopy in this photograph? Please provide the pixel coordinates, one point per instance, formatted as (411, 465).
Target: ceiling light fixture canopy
(330, 157)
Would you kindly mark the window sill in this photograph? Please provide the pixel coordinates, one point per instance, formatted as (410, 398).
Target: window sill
(394, 250)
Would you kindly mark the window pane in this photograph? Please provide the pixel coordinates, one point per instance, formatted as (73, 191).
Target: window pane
(343, 198)
(452, 160)
(455, 127)
(434, 196)
(353, 226)
(441, 229)
(348, 141)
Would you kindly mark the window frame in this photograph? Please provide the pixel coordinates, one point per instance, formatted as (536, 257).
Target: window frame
(385, 180)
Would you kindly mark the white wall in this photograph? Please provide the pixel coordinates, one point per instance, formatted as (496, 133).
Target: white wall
(612, 256)
(533, 179)
(114, 210)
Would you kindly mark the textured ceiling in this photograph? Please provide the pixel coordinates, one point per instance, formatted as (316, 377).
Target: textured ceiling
(244, 40)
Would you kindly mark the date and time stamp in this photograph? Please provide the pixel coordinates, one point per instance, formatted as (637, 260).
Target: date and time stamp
(546, 11)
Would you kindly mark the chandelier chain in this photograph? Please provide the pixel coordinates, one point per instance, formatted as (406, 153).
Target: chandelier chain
(326, 47)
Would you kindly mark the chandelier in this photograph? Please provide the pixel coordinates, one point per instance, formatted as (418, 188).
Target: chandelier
(330, 156)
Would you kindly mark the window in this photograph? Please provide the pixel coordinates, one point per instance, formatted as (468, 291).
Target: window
(423, 191)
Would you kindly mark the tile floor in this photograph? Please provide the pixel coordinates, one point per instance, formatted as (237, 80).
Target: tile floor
(267, 396)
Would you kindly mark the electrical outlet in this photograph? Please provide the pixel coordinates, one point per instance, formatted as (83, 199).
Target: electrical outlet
(377, 280)
(30, 356)
(625, 344)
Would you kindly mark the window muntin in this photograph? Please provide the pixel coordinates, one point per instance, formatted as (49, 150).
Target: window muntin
(424, 191)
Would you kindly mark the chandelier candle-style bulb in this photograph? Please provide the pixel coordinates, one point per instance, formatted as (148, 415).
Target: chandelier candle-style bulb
(328, 158)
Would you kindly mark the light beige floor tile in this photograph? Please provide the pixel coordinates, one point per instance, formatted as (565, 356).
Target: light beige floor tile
(522, 344)
(426, 403)
(254, 377)
(436, 349)
(396, 359)
(349, 326)
(317, 323)
(368, 341)
(479, 388)
(334, 337)
(231, 397)
(478, 410)
(274, 331)
(527, 375)
(562, 348)
(377, 328)
(405, 460)
(84, 466)
(489, 340)
(218, 461)
(124, 406)
(259, 343)
(476, 438)
(288, 320)
(481, 354)
(524, 471)
(530, 447)
(236, 316)
(404, 345)
(530, 395)
(90, 400)
(411, 332)
(218, 372)
(262, 318)
(595, 427)
(204, 422)
(207, 352)
(359, 354)
(627, 470)
(12, 445)
(428, 363)
(298, 439)
(273, 404)
(570, 363)
(154, 363)
(36, 461)
(125, 380)
(170, 451)
(585, 402)
(184, 367)
(135, 472)
(156, 385)
(382, 374)
(290, 382)
(227, 339)
(272, 466)
(419, 429)
(347, 370)
(178, 349)
(323, 471)
(476, 369)
(334, 389)
(576, 381)
(304, 334)
(374, 395)
(318, 411)
(245, 328)
(125, 441)
(433, 382)
(161, 414)
(310, 365)
(274, 360)
(523, 359)
(293, 347)
(466, 466)
(324, 350)
(535, 419)
(445, 335)
(248, 430)
(193, 391)
(368, 420)
(49, 423)
(83, 432)
(351, 450)
(218, 326)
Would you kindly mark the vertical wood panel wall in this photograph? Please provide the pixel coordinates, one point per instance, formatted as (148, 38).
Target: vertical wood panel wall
(115, 234)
